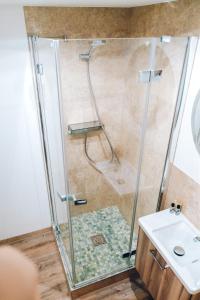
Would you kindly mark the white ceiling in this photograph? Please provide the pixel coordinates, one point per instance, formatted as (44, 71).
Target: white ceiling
(85, 3)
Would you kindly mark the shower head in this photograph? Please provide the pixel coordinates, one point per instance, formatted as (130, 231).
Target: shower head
(94, 44)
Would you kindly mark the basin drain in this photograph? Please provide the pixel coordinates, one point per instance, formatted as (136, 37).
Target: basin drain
(178, 250)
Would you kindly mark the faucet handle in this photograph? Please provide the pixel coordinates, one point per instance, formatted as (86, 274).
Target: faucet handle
(178, 209)
(196, 239)
(172, 208)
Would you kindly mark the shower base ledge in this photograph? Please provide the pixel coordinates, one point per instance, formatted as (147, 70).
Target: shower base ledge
(78, 292)
(85, 288)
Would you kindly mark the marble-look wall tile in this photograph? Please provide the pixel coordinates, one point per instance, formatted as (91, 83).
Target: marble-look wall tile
(176, 18)
(109, 66)
(120, 98)
(77, 22)
(183, 190)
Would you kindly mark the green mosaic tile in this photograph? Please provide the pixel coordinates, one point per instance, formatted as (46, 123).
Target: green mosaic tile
(92, 261)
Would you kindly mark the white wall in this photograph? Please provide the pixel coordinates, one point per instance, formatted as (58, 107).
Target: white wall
(23, 196)
(187, 159)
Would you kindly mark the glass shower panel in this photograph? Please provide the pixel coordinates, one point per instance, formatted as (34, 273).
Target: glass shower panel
(169, 59)
(103, 106)
(112, 126)
(49, 109)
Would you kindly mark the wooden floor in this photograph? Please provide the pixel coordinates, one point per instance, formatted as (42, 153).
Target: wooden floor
(41, 248)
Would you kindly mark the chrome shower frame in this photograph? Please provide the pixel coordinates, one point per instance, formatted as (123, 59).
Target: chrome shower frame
(37, 72)
(178, 115)
(70, 272)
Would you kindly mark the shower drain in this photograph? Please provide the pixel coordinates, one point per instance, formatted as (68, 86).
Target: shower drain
(98, 240)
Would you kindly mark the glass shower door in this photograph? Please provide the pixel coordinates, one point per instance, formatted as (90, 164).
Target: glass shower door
(105, 142)
(165, 93)
(104, 94)
(45, 64)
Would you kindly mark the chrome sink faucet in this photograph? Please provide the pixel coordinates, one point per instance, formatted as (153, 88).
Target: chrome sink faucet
(175, 208)
(178, 209)
(172, 208)
(196, 239)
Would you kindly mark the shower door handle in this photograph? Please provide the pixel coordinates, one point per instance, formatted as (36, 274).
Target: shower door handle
(72, 198)
(80, 202)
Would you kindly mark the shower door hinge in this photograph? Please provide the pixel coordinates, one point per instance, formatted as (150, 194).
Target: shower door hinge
(39, 68)
(128, 254)
(150, 75)
(57, 229)
(165, 39)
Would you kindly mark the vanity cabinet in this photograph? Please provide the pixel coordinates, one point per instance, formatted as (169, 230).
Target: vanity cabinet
(159, 279)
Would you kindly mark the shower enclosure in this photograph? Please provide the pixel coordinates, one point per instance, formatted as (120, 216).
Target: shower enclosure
(106, 110)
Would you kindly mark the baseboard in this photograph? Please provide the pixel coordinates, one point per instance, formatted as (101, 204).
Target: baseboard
(32, 234)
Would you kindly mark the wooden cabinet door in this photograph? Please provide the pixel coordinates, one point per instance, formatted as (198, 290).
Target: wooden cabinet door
(149, 270)
(160, 280)
(171, 288)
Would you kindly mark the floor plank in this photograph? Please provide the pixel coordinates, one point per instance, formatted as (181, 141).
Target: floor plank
(42, 249)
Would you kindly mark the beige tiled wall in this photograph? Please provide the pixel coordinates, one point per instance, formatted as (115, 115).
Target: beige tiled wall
(183, 190)
(110, 66)
(120, 97)
(176, 18)
(77, 22)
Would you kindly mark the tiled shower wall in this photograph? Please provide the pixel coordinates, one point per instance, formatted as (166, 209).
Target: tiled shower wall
(175, 18)
(77, 22)
(179, 18)
(120, 97)
(183, 190)
(110, 66)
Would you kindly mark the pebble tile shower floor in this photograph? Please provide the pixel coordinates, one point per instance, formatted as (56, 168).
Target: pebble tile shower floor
(100, 238)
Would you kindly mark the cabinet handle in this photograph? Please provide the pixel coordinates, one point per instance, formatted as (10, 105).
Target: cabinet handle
(153, 253)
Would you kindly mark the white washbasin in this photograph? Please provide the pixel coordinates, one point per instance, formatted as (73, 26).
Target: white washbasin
(166, 231)
(180, 234)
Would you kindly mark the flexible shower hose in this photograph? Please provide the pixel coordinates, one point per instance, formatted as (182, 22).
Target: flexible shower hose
(113, 154)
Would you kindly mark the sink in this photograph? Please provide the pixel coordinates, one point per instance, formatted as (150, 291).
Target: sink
(167, 231)
(180, 234)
